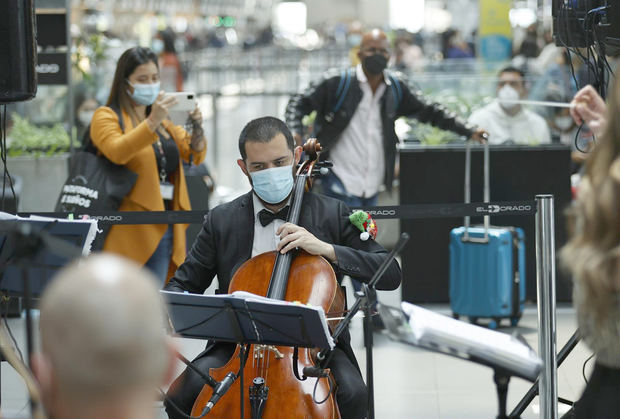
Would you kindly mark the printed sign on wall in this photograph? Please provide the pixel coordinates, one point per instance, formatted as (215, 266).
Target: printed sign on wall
(495, 31)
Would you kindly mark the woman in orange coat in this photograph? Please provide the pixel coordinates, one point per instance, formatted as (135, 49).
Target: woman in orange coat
(152, 147)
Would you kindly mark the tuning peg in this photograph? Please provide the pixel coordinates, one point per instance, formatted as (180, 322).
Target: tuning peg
(320, 171)
(324, 163)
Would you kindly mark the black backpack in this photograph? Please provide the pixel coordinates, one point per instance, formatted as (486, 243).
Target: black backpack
(343, 88)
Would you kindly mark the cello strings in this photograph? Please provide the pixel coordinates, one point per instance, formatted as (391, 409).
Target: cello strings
(267, 364)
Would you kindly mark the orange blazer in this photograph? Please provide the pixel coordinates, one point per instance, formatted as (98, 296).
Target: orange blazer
(134, 150)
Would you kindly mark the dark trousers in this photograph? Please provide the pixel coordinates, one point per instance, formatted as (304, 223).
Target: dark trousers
(351, 396)
(331, 185)
(601, 398)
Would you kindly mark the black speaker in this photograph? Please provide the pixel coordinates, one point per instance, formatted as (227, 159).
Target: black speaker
(18, 51)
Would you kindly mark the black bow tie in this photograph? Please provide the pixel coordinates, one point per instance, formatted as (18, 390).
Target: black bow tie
(265, 217)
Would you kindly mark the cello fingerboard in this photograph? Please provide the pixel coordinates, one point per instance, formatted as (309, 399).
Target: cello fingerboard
(279, 275)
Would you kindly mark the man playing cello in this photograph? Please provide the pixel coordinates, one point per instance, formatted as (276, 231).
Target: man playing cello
(253, 224)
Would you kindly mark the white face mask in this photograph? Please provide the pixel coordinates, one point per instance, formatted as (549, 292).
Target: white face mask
(564, 123)
(508, 94)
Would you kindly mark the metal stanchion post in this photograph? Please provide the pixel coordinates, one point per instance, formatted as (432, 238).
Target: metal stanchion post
(545, 279)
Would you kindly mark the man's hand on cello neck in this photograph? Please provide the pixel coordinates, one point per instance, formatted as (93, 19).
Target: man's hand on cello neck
(293, 236)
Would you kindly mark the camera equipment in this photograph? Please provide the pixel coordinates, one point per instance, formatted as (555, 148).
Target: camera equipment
(589, 29)
(582, 23)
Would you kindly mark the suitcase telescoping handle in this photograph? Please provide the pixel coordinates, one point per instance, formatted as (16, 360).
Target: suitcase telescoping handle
(486, 193)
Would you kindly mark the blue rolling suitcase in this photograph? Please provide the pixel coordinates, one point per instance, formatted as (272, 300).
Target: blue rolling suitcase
(487, 265)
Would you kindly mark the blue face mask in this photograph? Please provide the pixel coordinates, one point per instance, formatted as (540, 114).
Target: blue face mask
(144, 94)
(273, 185)
(157, 46)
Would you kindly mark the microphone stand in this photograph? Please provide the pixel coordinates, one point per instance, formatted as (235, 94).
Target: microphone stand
(210, 381)
(213, 383)
(367, 297)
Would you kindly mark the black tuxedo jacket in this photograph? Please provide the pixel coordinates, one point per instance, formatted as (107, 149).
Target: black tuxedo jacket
(227, 235)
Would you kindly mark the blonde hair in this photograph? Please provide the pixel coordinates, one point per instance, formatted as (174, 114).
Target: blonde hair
(102, 329)
(592, 254)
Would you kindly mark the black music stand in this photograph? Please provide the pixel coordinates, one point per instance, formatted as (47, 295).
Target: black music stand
(245, 318)
(32, 250)
(46, 245)
(449, 336)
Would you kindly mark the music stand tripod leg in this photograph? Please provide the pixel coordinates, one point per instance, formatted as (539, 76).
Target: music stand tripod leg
(242, 359)
(242, 355)
(533, 391)
(367, 296)
(501, 379)
(29, 335)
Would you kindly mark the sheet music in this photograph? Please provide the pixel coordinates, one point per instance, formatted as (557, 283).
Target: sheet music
(294, 313)
(248, 296)
(453, 336)
(92, 231)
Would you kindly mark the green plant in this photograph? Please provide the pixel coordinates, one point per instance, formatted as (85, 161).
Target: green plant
(26, 138)
(461, 105)
(89, 51)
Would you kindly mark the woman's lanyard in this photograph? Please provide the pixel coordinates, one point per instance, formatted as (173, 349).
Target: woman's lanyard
(166, 188)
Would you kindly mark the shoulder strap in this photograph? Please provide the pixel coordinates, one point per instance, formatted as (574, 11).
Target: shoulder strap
(343, 89)
(87, 142)
(396, 89)
(118, 112)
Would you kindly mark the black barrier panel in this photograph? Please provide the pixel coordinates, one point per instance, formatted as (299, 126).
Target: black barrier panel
(52, 29)
(52, 68)
(435, 174)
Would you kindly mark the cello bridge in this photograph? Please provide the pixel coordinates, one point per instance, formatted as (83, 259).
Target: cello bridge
(259, 351)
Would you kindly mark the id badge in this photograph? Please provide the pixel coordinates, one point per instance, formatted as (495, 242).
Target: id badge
(167, 190)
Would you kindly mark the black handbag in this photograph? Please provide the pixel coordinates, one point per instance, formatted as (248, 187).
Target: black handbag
(94, 184)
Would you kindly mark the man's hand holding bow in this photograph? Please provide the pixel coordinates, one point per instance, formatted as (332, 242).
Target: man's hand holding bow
(480, 136)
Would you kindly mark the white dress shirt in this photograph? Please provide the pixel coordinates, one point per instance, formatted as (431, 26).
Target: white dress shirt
(265, 238)
(358, 156)
(525, 127)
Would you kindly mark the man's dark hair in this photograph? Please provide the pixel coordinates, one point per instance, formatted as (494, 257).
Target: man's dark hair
(263, 130)
(511, 69)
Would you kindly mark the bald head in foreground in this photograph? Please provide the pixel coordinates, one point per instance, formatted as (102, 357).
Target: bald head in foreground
(104, 347)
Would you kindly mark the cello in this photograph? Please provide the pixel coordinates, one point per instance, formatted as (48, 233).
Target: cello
(271, 389)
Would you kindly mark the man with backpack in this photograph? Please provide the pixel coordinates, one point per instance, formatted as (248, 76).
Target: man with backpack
(355, 114)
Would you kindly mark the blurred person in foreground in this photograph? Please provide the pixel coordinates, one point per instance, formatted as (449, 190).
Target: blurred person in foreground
(592, 255)
(505, 119)
(359, 137)
(153, 147)
(104, 347)
(588, 107)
